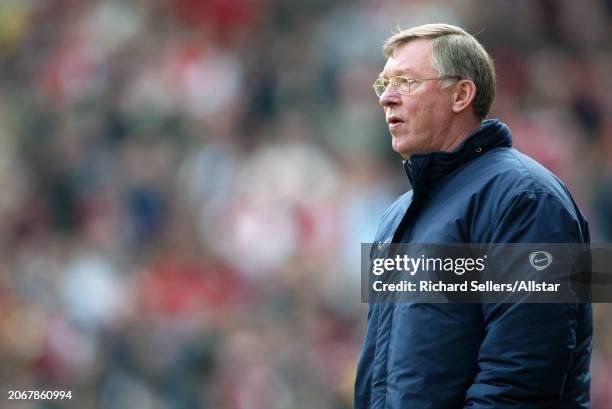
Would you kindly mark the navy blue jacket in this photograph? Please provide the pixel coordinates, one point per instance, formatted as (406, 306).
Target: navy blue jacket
(451, 356)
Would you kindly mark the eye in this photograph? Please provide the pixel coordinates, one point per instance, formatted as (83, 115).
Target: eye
(402, 83)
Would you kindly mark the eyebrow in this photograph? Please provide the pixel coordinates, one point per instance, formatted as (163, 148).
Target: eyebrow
(405, 71)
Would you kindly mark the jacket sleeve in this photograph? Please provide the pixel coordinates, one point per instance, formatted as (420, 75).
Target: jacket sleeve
(528, 349)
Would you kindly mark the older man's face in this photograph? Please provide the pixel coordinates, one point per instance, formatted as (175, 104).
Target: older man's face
(419, 121)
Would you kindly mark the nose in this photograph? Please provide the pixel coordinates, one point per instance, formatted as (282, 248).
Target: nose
(390, 97)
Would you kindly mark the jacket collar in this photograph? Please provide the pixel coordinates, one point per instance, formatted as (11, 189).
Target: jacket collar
(425, 170)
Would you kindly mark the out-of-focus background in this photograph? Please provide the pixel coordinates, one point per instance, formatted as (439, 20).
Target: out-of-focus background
(185, 185)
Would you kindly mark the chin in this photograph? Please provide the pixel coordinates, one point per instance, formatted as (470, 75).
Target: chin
(404, 151)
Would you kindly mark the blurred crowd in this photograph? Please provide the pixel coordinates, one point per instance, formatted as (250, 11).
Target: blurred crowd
(186, 184)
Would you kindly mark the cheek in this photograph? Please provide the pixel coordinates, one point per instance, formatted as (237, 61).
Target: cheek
(412, 111)
(413, 106)
(432, 111)
(420, 115)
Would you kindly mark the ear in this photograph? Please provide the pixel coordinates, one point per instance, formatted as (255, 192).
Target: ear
(463, 96)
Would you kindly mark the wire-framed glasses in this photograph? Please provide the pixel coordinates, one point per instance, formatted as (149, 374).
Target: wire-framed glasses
(403, 85)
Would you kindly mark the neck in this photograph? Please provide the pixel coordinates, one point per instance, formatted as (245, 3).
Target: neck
(459, 130)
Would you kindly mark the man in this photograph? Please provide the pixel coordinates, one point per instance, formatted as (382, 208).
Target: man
(468, 186)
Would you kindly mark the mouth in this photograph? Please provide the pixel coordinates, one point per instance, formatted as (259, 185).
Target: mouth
(394, 121)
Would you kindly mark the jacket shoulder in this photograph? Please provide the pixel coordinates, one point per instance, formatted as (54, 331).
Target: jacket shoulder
(520, 186)
(522, 173)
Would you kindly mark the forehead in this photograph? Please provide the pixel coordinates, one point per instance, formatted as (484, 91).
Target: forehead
(414, 57)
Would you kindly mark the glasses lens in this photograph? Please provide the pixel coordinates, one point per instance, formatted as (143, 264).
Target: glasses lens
(380, 85)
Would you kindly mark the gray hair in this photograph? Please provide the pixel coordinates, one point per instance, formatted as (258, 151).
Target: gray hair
(455, 53)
